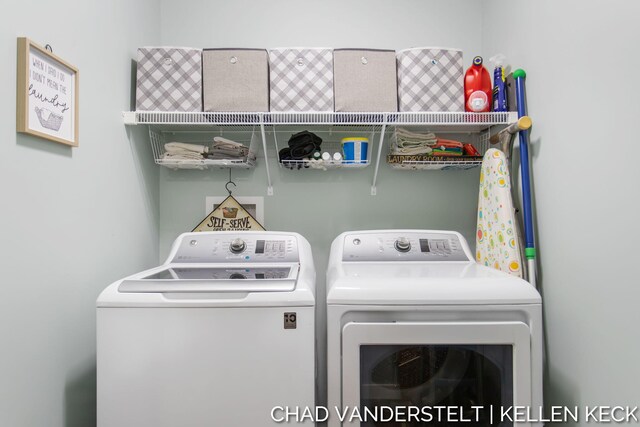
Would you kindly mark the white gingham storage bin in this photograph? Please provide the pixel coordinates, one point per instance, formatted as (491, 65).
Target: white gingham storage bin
(235, 80)
(301, 79)
(430, 79)
(365, 80)
(169, 79)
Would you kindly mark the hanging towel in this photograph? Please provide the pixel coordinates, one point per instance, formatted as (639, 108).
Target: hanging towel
(497, 239)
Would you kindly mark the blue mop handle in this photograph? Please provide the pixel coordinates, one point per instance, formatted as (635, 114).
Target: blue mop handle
(530, 251)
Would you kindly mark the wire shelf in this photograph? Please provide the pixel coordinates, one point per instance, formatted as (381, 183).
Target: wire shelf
(323, 164)
(451, 121)
(476, 127)
(440, 163)
(194, 118)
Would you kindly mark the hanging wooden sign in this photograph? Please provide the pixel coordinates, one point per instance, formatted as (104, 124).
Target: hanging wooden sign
(47, 94)
(230, 215)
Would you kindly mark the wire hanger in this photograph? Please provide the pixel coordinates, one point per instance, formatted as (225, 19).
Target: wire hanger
(229, 182)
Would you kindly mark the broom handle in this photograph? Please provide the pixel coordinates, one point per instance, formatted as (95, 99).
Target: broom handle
(530, 251)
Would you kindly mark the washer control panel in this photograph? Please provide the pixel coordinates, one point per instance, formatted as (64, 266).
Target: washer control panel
(243, 247)
(212, 273)
(404, 246)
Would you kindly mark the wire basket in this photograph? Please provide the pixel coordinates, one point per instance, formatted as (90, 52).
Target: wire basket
(432, 162)
(331, 144)
(248, 137)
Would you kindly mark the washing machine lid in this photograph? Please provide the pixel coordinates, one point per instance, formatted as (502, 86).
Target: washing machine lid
(197, 278)
(416, 267)
(402, 283)
(223, 269)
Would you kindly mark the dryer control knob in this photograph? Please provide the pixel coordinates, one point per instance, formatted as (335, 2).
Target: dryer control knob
(403, 244)
(237, 246)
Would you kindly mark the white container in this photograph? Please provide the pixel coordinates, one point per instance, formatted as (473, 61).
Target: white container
(430, 79)
(355, 150)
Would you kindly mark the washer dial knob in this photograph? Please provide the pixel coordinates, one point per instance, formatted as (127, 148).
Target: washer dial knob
(403, 244)
(237, 246)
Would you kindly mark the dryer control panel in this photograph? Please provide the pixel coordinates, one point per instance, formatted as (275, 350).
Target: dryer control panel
(237, 247)
(404, 246)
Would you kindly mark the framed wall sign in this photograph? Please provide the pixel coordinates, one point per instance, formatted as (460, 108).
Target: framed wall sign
(47, 94)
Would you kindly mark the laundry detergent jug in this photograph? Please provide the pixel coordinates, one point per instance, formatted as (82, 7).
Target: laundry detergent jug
(477, 88)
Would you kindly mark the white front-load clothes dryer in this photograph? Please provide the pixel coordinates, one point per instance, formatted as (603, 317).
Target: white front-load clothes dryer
(419, 332)
(218, 335)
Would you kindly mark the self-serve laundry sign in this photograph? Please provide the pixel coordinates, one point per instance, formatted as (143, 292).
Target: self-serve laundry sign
(229, 215)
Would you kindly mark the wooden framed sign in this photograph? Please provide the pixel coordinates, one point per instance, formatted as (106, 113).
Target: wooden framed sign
(47, 95)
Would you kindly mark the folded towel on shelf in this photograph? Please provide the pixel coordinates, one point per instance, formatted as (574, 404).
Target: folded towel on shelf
(180, 151)
(406, 138)
(413, 143)
(448, 143)
(410, 151)
(181, 147)
(228, 148)
(182, 155)
(440, 152)
(222, 156)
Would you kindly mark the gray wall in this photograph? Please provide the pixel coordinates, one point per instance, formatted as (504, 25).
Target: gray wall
(582, 62)
(320, 205)
(72, 220)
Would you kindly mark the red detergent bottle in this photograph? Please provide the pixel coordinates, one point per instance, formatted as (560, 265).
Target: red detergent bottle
(477, 88)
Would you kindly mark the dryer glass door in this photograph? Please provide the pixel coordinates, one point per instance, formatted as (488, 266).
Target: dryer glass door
(470, 370)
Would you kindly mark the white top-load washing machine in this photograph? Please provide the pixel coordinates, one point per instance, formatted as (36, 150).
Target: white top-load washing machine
(218, 335)
(415, 324)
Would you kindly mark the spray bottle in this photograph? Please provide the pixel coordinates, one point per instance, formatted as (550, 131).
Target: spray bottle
(499, 83)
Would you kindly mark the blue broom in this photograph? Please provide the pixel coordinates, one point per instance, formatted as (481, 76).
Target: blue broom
(530, 249)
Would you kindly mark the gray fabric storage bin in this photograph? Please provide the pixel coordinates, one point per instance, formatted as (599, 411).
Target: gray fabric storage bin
(169, 79)
(365, 80)
(301, 79)
(235, 79)
(430, 79)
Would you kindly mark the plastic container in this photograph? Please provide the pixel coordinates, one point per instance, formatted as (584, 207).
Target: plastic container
(477, 88)
(355, 149)
(499, 99)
